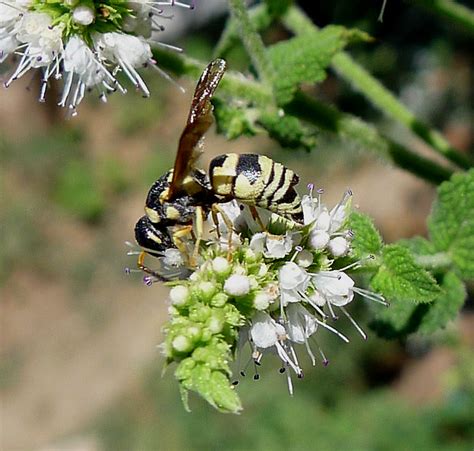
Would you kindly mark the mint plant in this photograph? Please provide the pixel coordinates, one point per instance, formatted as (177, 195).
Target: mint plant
(272, 290)
(422, 279)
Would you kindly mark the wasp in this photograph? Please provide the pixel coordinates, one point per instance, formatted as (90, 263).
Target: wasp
(185, 195)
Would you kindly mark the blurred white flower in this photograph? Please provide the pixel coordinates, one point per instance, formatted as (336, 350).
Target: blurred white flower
(66, 39)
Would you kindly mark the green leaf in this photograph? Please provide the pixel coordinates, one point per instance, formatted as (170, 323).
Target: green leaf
(451, 223)
(403, 317)
(367, 240)
(276, 8)
(446, 306)
(398, 320)
(233, 121)
(418, 245)
(400, 278)
(213, 386)
(303, 59)
(288, 131)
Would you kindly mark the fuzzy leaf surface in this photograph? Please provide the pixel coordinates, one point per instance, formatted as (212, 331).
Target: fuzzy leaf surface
(367, 240)
(401, 278)
(446, 306)
(451, 223)
(288, 131)
(304, 59)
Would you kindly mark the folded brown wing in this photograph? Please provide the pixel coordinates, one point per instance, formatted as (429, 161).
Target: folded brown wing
(199, 120)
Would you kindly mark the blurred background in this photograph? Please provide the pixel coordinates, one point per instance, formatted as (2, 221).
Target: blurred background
(80, 370)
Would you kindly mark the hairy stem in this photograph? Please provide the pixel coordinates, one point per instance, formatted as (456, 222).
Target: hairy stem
(252, 41)
(376, 93)
(440, 260)
(365, 136)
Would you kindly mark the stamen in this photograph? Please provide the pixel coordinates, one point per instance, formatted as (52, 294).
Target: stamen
(341, 336)
(166, 46)
(371, 296)
(323, 356)
(290, 383)
(310, 352)
(166, 76)
(353, 321)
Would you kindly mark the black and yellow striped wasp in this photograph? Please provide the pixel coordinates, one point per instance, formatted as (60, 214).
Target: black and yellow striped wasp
(185, 195)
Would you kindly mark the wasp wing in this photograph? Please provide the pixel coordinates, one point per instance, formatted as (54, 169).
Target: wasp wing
(199, 120)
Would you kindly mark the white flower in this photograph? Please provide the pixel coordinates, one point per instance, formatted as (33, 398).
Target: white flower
(293, 281)
(334, 287)
(272, 246)
(173, 257)
(301, 324)
(326, 225)
(66, 38)
(291, 276)
(265, 331)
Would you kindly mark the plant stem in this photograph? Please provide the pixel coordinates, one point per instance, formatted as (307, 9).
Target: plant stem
(317, 113)
(356, 131)
(361, 80)
(260, 20)
(459, 14)
(436, 261)
(252, 41)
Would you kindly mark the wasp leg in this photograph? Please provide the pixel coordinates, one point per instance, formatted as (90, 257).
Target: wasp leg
(256, 216)
(141, 265)
(178, 235)
(199, 222)
(228, 223)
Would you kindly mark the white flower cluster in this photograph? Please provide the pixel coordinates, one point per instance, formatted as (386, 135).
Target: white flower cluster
(87, 44)
(271, 291)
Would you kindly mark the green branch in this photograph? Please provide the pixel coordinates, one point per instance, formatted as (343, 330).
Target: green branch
(440, 260)
(381, 97)
(350, 128)
(459, 14)
(365, 136)
(252, 41)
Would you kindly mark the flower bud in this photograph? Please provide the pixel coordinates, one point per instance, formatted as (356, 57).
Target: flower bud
(221, 266)
(318, 239)
(262, 270)
(237, 285)
(304, 258)
(338, 246)
(83, 15)
(219, 300)
(216, 324)
(204, 291)
(182, 344)
(261, 300)
(179, 295)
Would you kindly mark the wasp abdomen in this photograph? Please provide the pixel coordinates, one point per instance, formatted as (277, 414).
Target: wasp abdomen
(256, 180)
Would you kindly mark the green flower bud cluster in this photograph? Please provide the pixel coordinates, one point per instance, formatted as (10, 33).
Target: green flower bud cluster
(206, 313)
(105, 16)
